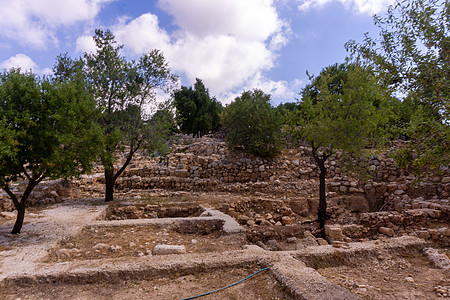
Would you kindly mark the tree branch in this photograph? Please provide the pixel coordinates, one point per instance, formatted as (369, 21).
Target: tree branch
(11, 195)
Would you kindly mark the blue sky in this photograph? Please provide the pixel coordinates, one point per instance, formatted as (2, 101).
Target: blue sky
(232, 45)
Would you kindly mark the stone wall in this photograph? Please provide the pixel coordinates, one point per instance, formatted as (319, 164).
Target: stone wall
(206, 164)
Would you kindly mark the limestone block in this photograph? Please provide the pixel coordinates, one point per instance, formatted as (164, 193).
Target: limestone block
(386, 231)
(163, 249)
(334, 232)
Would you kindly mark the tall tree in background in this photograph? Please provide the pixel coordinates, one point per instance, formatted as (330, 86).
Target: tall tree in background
(196, 111)
(122, 90)
(412, 54)
(47, 129)
(253, 124)
(337, 112)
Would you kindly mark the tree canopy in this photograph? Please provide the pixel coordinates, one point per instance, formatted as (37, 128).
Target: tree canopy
(412, 54)
(122, 90)
(253, 124)
(338, 112)
(47, 129)
(196, 110)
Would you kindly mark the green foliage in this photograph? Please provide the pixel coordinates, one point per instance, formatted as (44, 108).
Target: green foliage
(47, 129)
(340, 111)
(122, 90)
(196, 110)
(412, 54)
(47, 126)
(162, 126)
(253, 124)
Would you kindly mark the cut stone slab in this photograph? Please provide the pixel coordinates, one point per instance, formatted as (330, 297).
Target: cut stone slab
(305, 283)
(164, 249)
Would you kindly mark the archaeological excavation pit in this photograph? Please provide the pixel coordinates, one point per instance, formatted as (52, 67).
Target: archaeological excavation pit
(177, 286)
(125, 211)
(175, 229)
(96, 242)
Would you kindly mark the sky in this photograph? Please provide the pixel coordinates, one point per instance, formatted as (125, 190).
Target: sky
(231, 45)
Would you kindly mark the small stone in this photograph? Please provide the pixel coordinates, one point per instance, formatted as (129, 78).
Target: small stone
(308, 233)
(409, 279)
(251, 223)
(115, 248)
(63, 254)
(334, 232)
(100, 246)
(194, 241)
(163, 249)
(386, 231)
(287, 220)
(291, 239)
(273, 245)
(322, 242)
(139, 253)
(278, 224)
(132, 244)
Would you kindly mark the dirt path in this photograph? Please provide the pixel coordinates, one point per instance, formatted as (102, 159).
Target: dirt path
(41, 231)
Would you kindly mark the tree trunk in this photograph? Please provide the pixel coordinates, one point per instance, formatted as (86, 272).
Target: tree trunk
(20, 217)
(322, 210)
(109, 183)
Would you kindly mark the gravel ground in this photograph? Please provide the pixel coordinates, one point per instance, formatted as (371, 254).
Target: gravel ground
(42, 230)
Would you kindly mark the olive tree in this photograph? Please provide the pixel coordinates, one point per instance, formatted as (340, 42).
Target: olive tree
(253, 124)
(412, 54)
(337, 115)
(122, 90)
(47, 130)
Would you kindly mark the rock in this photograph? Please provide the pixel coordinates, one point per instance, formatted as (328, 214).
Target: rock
(445, 180)
(130, 209)
(273, 245)
(265, 223)
(8, 215)
(439, 260)
(423, 234)
(306, 242)
(287, 220)
(63, 254)
(386, 231)
(242, 219)
(308, 233)
(100, 246)
(334, 232)
(322, 242)
(163, 249)
(358, 204)
(445, 231)
(291, 239)
(251, 223)
(115, 248)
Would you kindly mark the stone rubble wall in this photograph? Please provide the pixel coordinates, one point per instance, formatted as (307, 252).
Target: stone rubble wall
(205, 164)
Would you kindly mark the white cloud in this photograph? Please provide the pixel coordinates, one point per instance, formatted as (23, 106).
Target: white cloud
(85, 43)
(224, 43)
(22, 61)
(280, 91)
(33, 22)
(142, 34)
(362, 6)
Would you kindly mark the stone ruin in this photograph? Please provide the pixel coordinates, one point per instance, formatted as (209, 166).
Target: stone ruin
(277, 214)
